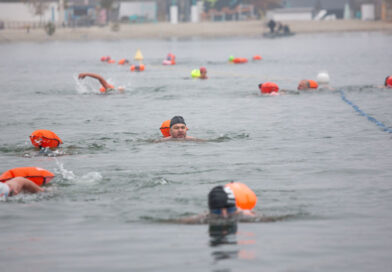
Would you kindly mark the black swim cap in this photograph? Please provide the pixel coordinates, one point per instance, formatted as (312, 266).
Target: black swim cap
(177, 120)
(221, 197)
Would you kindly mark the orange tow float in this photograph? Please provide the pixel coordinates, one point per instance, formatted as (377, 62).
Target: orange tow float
(245, 198)
(165, 128)
(137, 68)
(37, 175)
(268, 87)
(45, 138)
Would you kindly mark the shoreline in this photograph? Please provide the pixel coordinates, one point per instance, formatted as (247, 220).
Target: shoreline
(254, 28)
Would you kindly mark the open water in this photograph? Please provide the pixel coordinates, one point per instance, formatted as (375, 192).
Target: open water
(308, 156)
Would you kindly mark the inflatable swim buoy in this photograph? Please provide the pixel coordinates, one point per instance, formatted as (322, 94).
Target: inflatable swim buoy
(312, 84)
(245, 198)
(37, 175)
(323, 78)
(268, 87)
(122, 61)
(111, 61)
(105, 58)
(388, 82)
(165, 128)
(137, 68)
(257, 57)
(45, 138)
(240, 60)
(195, 73)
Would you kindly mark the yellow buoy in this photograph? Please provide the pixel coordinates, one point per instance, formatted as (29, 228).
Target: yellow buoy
(138, 55)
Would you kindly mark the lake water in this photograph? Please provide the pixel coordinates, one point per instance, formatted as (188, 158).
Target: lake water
(308, 156)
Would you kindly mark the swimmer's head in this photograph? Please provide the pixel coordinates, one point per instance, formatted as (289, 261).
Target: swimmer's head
(203, 72)
(177, 120)
(323, 78)
(178, 127)
(388, 82)
(221, 198)
(260, 86)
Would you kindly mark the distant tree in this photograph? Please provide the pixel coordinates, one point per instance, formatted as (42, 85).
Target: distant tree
(38, 7)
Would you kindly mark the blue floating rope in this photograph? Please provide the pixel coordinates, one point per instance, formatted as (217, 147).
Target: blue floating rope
(361, 112)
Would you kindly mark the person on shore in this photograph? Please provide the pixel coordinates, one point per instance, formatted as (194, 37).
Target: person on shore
(388, 82)
(286, 30)
(17, 185)
(271, 24)
(178, 130)
(106, 87)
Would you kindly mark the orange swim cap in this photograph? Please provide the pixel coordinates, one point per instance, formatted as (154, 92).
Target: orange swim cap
(45, 138)
(257, 57)
(269, 87)
(37, 175)
(165, 128)
(245, 198)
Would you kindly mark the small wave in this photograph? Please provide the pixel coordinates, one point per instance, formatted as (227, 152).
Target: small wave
(158, 181)
(69, 175)
(229, 137)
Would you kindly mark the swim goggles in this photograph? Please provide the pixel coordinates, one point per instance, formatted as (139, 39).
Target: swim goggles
(219, 211)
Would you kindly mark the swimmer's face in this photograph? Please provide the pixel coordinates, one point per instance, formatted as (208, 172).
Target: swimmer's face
(178, 131)
(302, 85)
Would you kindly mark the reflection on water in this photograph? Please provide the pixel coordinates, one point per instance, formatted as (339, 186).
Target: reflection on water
(225, 244)
(221, 235)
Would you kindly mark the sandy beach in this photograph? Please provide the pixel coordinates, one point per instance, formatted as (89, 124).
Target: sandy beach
(253, 28)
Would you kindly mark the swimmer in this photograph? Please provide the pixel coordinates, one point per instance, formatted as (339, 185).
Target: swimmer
(17, 185)
(203, 73)
(223, 209)
(269, 88)
(178, 130)
(307, 85)
(199, 73)
(106, 87)
(388, 82)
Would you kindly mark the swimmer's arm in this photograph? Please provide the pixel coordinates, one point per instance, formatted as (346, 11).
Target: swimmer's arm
(196, 219)
(20, 184)
(101, 79)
